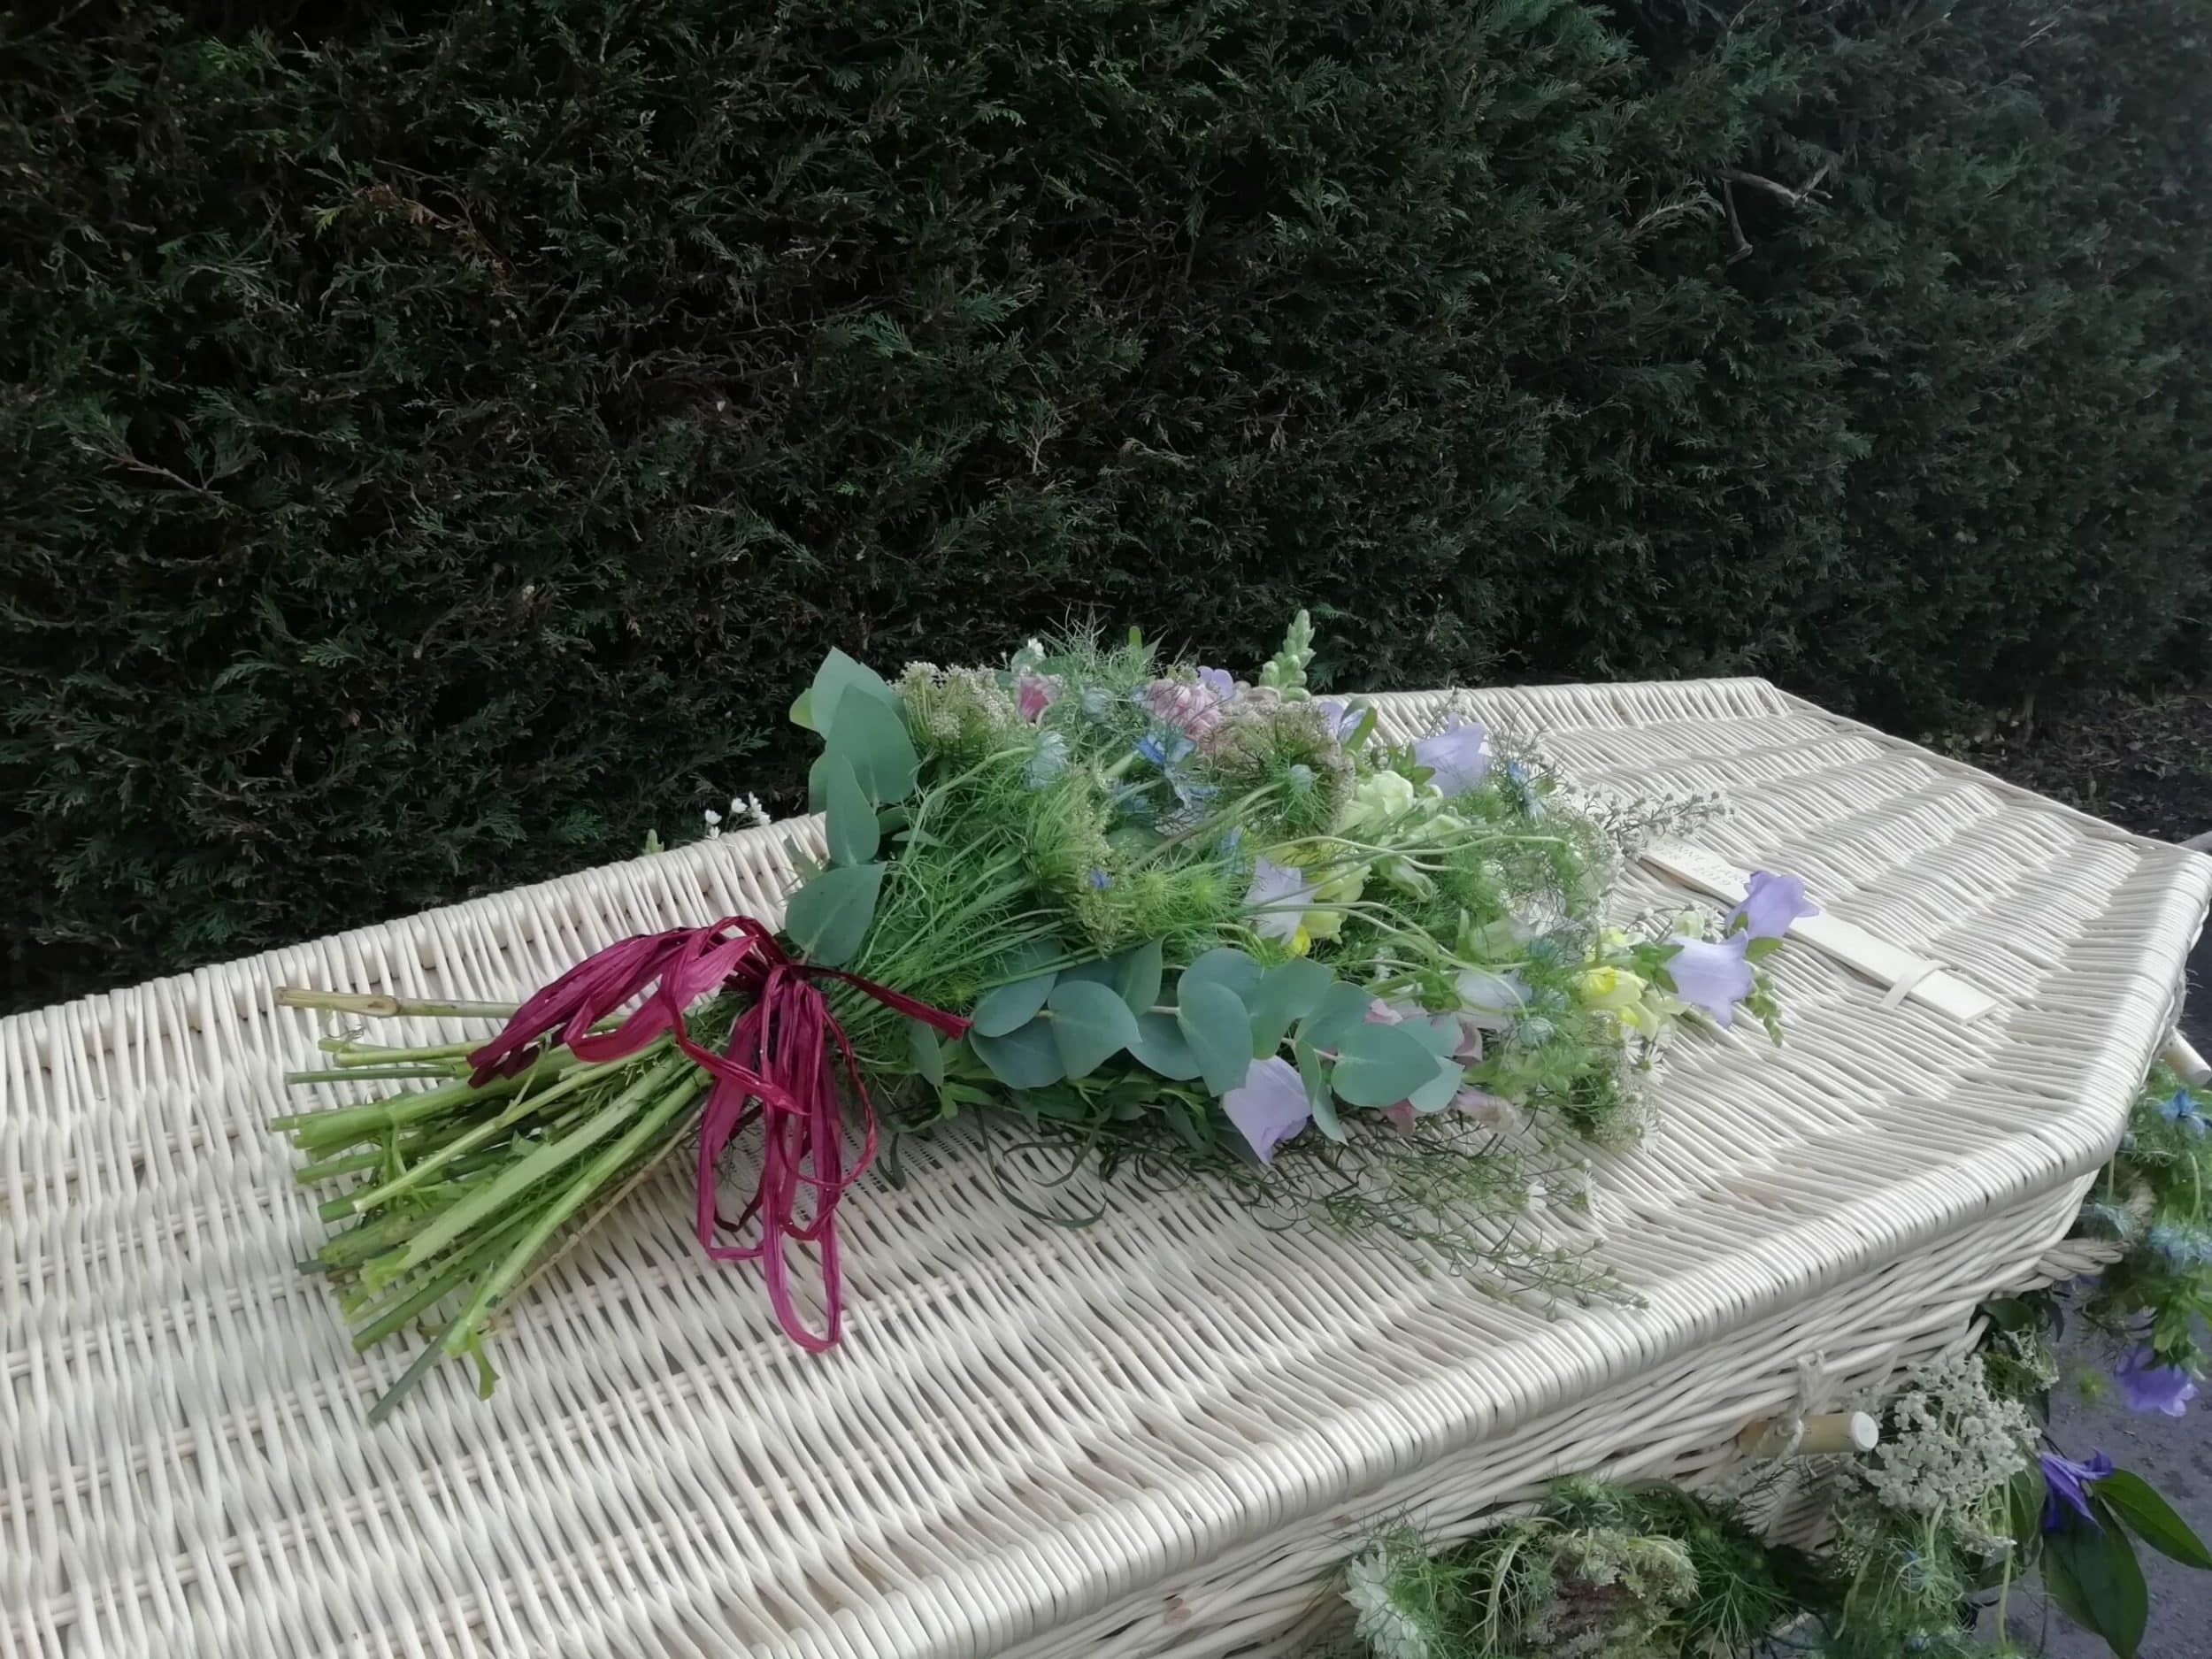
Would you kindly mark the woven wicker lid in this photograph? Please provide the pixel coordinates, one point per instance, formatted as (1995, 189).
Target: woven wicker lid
(1025, 1424)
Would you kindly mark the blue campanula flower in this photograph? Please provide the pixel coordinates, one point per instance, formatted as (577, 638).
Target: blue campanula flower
(1769, 905)
(1457, 756)
(1711, 975)
(2067, 1483)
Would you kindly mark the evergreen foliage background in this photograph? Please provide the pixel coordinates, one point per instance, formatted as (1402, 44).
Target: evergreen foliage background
(436, 439)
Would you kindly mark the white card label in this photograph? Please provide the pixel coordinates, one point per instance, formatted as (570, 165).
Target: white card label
(1908, 974)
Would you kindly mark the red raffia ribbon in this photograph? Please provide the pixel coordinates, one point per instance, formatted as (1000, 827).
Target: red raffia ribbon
(775, 1070)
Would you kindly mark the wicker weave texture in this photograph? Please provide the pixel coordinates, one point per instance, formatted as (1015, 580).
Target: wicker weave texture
(1154, 1433)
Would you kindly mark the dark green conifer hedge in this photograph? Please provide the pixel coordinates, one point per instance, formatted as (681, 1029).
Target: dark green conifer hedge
(434, 439)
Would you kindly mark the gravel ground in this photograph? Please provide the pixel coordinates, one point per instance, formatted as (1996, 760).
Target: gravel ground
(2146, 763)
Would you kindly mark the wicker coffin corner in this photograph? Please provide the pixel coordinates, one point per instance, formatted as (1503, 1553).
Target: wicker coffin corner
(1160, 1434)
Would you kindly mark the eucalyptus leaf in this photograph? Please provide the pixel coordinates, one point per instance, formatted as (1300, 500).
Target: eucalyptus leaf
(1091, 1024)
(1160, 1047)
(1341, 1011)
(1435, 1094)
(1001, 1010)
(1380, 1065)
(1440, 1036)
(1227, 967)
(1315, 1075)
(1287, 993)
(838, 675)
(872, 736)
(1027, 1057)
(928, 1054)
(850, 828)
(1214, 1022)
(1137, 976)
(828, 916)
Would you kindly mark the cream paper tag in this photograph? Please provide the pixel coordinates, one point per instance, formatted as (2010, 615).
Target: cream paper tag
(1904, 973)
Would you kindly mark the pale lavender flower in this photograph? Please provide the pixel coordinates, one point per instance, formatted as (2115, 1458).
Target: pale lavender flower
(1340, 715)
(1770, 904)
(1270, 1106)
(1278, 897)
(2148, 1387)
(1100, 880)
(1712, 976)
(1457, 756)
(1219, 681)
(2066, 1485)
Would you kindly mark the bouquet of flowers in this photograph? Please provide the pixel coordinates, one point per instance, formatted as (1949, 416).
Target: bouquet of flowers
(1175, 920)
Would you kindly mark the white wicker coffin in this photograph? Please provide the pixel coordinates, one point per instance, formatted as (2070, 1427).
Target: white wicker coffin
(1159, 1434)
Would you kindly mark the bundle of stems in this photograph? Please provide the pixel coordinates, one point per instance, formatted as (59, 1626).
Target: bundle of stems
(451, 1197)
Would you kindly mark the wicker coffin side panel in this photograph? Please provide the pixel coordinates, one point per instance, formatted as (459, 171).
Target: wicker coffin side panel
(1679, 1423)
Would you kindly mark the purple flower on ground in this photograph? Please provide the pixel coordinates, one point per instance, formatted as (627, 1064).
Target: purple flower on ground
(2181, 1108)
(1712, 976)
(1219, 681)
(1100, 879)
(1034, 693)
(1769, 905)
(1269, 1107)
(1278, 897)
(1458, 756)
(2148, 1387)
(2066, 1485)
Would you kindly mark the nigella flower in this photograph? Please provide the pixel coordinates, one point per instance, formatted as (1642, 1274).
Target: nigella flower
(1712, 976)
(1034, 693)
(2181, 1108)
(1770, 904)
(1100, 880)
(1164, 748)
(1269, 1107)
(1277, 899)
(1523, 788)
(2148, 1387)
(1219, 681)
(2066, 1483)
(1457, 756)
(1047, 761)
(2181, 1247)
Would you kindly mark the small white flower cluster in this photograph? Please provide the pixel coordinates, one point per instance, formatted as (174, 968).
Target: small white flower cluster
(1389, 1631)
(1954, 1443)
(745, 810)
